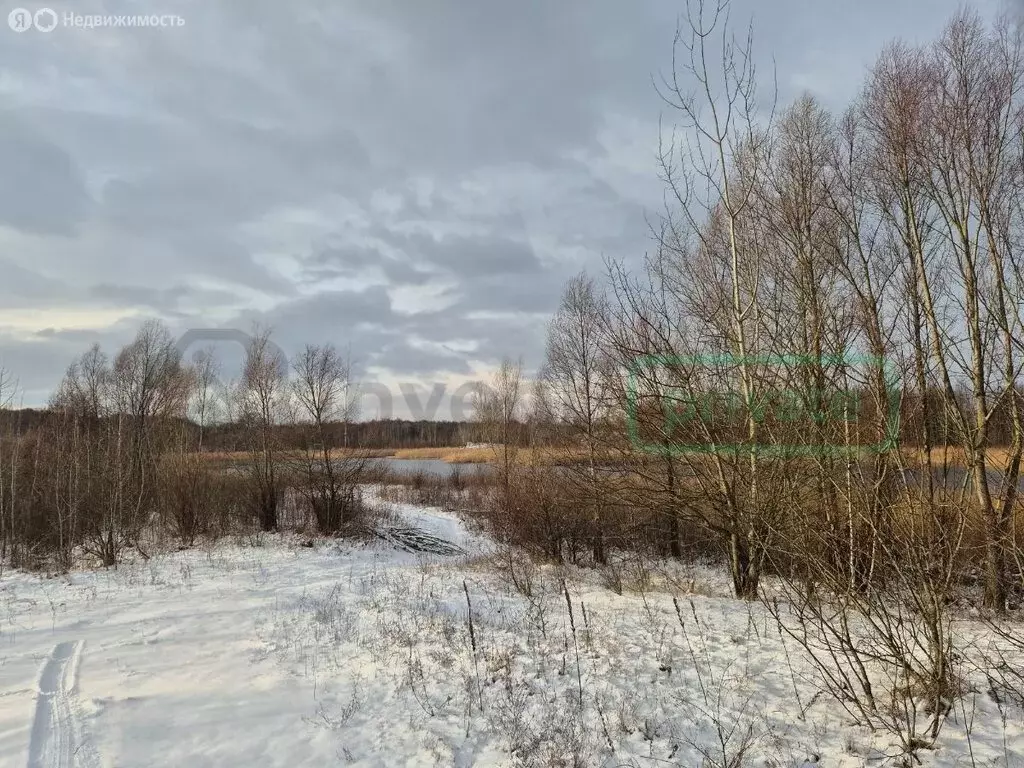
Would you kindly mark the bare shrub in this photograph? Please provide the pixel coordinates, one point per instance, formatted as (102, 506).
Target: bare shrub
(261, 404)
(184, 492)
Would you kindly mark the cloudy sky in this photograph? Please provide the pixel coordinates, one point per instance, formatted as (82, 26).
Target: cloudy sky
(415, 178)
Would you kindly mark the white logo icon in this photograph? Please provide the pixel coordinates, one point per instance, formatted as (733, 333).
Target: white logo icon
(45, 19)
(20, 20)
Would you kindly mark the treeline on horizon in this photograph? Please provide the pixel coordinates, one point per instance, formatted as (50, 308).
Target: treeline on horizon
(370, 434)
(915, 425)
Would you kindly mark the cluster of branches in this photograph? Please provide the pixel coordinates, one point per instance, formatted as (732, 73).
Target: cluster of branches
(119, 456)
(872, 259)
(864, 270)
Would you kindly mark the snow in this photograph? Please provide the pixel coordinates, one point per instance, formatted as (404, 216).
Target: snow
(437, 523)
(362, 654)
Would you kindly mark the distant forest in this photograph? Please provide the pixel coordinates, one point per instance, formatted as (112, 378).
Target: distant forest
(382, 433)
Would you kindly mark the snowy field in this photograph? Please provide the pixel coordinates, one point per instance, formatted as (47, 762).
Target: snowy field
(276, 654)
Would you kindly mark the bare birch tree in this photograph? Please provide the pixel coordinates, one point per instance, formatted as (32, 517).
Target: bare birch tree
(576, 374)
(323, 389)
(261, 403)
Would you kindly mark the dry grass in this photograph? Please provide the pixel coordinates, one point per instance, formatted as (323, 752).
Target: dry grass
(229, 457)
(456, 455)
(426, 453)
(473, 455)
(452, 455)
(483, 455)
(953, 455)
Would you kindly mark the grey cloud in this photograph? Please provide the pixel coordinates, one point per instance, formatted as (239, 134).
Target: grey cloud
(179, 301)
(405, 360)
(41, 187)
(23, 288)
(36, 364)
(330, 316)
(473, 256)
(306, 164)
(353, 260)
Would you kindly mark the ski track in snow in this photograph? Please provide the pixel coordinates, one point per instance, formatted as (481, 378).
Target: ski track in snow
(54, 731)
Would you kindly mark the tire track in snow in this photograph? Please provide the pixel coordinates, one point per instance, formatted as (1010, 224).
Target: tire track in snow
(57, 739)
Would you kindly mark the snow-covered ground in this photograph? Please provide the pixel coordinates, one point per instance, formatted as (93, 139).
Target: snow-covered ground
(283, 655)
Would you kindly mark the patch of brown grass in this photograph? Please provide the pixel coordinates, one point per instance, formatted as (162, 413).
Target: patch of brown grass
(473, 455)
(229, 457)
(452, 455)
(953, 455)
(485, 454)
(424, 453)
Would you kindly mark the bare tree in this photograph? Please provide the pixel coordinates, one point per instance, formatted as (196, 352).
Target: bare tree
(148, 378)
(945, 123)
(204, 407)
(261, 402)
(324, 390)
(709, 267)
(150, 390)
(578, 389)
(498, 409)
(85, 388)
(10, 445)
